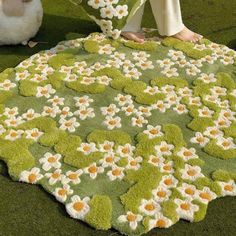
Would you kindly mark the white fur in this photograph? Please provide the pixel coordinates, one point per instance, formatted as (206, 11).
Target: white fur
(16, 30)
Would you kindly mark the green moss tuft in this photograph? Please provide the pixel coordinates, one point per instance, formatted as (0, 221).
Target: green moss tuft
(146, 46)
(100, 136)
(91, 46)
(147, 176)
(223, 175)
(100, 214)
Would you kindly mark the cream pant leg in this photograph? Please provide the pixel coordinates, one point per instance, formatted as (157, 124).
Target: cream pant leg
(167, 14)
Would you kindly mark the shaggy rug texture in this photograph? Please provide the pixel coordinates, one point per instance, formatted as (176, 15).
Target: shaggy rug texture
(125, 135)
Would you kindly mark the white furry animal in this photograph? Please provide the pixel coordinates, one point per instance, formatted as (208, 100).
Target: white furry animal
(19, 20)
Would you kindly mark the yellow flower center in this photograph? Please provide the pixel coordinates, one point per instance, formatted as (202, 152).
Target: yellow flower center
(78, 206)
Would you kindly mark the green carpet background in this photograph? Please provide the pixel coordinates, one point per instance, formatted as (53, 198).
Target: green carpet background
(28, 210)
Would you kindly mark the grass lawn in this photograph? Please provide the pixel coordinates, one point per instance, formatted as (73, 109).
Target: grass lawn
(28, 210)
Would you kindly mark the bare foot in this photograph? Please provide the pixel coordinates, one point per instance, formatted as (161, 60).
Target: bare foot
(188, 35)
(135, 36)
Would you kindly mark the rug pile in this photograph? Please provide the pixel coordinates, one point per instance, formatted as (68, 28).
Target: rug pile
(126, 135)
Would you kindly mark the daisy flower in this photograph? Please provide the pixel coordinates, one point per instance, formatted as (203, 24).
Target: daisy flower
(83, 101)
(192, 70)
(107, 12)
(112, 122)
(45, 91)
(168, 89)
(131, 218)
(222, 122)
(140, 56)
(87, 148)
(78, 208)
(145, 65)
(93, 170)
(227, 114)
(168, 181)
(180, 108)
(129, 110)
(191, 172)
(138, 121)
(32, 176)
(50, 111)
(65, 112)
(185, 92)
(205, 112)
(159, 221)
(134, 163)
(34, 134)
(50, 160)
(182, 63)
(123, 99)
(166, 63)
(14, 134)
(161, 106)
(38, 78)
(227, 60)
(161, 194)
(22, 75)
(107, 146)
(176, 55)
(207, 78)
(213, 132)
(225, 143)
(187, 153)
(62, 193)
(218, 91)
(96, 3)
(132, 73)
(10, 112)
(106, 49)
(186, 209)
(105, 80)
(116, 173)
(125, 150)
(164, 148)
(111, 110)
(109, 160)
(155, 160)
(69, 125)
(173, 99)
(206, 195)
(121, 11)
(149, 207)
(56, 101)
(188, 191)
(170, 72)
(194, 101)
(167, 167)
(72, 177)
(13, 121)
(88, 80)
(228, 188)
(85, 112)
(153, 131)
(30, 115)
(54, 177)
(152, 90)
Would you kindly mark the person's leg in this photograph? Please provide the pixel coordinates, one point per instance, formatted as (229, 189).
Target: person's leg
(169, 21)
(132, 28)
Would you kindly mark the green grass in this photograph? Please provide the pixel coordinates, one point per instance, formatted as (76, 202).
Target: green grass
(28, 210)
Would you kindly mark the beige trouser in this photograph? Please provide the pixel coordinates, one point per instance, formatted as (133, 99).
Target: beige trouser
(167, 14)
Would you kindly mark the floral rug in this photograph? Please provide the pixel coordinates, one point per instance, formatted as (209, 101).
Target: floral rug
(129, 136)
